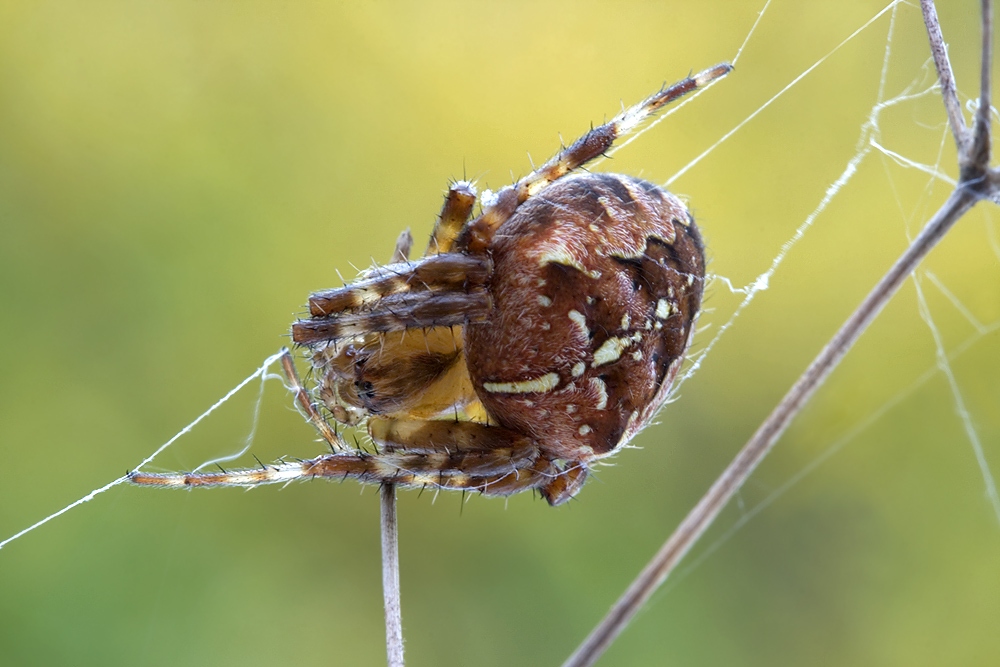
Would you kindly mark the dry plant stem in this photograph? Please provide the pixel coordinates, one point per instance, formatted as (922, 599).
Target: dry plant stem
(977, 182)
(699, 519)
(981, 142)
(390, 578)
(949, 94)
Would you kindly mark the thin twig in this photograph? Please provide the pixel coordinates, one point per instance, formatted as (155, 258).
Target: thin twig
(949, 93)
(698, 520)
(980, 148)
(390, 578)
(971, 188)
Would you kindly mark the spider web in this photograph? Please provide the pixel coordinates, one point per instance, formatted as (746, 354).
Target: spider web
(868, 143)
(929, 287)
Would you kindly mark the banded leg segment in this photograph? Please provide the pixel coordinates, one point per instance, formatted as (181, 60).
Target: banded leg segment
(484, 451)
(304, 399)
(444, 272)
(434, 454)
(586, 148)
(440, 290)
(556, 483)
(398, 312)
(457, 210)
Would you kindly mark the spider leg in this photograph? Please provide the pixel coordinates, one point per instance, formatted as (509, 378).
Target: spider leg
(477, 235)
(436, 291)
(372, 364)
(305, 401)
(468, 456)
(483, 447)
(403, 311)
(557, 485)
(455, 213)
(436, 273)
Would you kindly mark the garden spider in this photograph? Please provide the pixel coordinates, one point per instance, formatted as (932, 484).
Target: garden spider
(554, 323)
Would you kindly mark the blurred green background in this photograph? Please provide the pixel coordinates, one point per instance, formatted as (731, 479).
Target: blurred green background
(175, 178)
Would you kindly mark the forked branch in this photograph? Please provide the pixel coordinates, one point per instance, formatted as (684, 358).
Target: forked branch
(977, 181)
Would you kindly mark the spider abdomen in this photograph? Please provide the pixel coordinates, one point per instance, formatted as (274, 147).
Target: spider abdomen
(596, 286)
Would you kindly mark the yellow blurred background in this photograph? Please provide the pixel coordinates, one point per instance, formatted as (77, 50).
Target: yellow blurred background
(175, 178)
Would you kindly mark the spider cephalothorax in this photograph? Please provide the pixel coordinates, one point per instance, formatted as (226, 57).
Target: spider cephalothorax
(524, 345)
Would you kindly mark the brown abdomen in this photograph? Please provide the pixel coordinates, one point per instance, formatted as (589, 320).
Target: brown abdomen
(596, 286)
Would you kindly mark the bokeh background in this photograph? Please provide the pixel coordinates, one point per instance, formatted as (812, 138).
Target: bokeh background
(176, 177)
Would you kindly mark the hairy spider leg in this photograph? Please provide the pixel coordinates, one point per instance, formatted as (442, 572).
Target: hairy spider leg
(455, 213)
(487, 450)
(305, 401)
(440, 290)
(398, 371)
(447, 272)
(445, 455)
(557, 485)
(440, 269)
(417, 310)
(478, 234)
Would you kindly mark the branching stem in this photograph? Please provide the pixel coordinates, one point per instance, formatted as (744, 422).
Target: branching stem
(977, 182)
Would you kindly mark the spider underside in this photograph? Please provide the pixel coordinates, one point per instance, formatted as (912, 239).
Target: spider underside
(523, 346)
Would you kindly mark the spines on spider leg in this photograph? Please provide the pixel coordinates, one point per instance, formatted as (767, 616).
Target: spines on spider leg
(416, 310)
(305, 401)
(457, 210)
(273, 474)
(448, 470)
(583, 150)
(557, 484)
(452, 448)
(444, 272)
(629, 119)
(355, 465)
(481, 444)
(600, 139)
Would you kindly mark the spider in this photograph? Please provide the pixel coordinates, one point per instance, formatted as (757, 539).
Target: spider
(553, 325)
